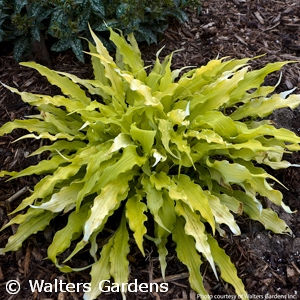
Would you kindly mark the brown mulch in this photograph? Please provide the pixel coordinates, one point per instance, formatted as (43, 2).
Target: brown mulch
(267, 263)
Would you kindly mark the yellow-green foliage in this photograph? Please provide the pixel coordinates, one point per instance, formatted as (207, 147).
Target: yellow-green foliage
(186, 149)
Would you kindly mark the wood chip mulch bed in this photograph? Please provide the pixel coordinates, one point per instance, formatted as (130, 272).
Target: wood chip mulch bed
(267, 263)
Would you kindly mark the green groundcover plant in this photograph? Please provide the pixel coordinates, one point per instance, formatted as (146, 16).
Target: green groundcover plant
(185, 150)
(26, 21)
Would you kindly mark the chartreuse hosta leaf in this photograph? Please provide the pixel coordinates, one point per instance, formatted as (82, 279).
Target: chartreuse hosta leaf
(187, 253)
(228, 270)
(141, 143)
(135, 213)
(63, 238)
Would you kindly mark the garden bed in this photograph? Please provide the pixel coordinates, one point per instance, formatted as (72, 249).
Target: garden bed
(267, 263)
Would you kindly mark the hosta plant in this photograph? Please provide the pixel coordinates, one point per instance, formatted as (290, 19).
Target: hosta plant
(139, 143)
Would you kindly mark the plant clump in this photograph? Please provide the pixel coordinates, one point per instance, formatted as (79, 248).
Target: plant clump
(185, 150)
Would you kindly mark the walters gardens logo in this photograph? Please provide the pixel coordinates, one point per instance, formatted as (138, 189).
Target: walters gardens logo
(13, 287)
(104, 286)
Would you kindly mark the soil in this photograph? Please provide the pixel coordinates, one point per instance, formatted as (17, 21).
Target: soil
(268, 264)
